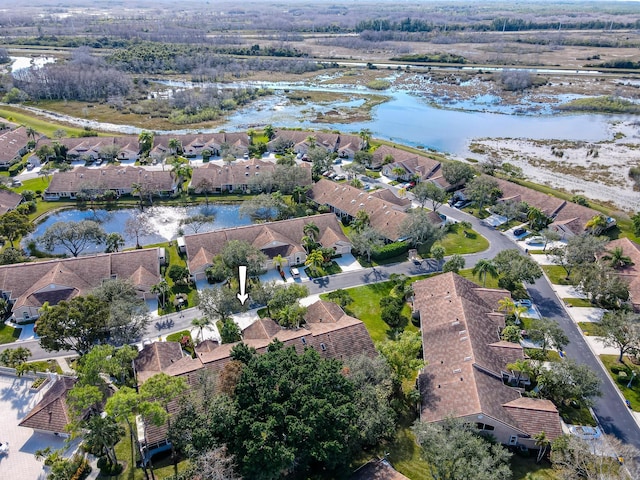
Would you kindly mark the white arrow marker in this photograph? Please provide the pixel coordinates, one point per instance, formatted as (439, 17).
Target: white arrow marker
(242, 273)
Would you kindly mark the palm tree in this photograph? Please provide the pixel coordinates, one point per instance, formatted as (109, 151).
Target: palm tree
(31, 133)
(308, 243)
(174, 145)
(181, 172)
(537, 218)
(398, 171)
(104, 433)
(299, 193)
(617, 259)
(361, 220)
(279, 261)
(311, 230)
(543, 442)
(161, 289)
(507, 305)
(596, 224)
(311, 141)
(145, 141)
(315, 260)
(484, 267)
(365, 135)
(201, 323)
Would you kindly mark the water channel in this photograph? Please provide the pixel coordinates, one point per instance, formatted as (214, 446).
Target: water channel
(407, 117)
(165, 222)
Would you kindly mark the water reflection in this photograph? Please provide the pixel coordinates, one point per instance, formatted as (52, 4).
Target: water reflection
(165, 222)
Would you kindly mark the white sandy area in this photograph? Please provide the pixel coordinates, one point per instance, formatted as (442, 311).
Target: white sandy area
(603, 178)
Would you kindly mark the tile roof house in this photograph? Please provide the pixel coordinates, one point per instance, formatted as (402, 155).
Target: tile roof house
(412, 164)
(9, 200)
(349, 145)
(13, 145)
(274, 238)
(629, 273)
(466, 363)
(299, 141)
(328, 330)
(192, 145)
(238, 176)
(345, 201)
(568, 218)
(28, 286)
(92, 148)
(51, 413)
(121, 180)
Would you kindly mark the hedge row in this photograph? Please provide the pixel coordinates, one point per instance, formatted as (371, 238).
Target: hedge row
(390, 250)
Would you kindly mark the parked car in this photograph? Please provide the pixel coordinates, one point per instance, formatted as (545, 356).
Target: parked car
(29, 166)
(245, 156)
(525, 302)
(519, 231)
(461, 203)
(584, 432)
(340, 177)
(326, 173)
(332, 175)
(16, 183)
(295, 273)
(537, 240)
(337, 161)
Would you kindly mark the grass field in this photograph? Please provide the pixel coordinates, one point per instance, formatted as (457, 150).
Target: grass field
(557, 275)
(614, 368)
(9, 334)
(39, 124)
(456, 242)
(591, 329)
(468, 274)
(577, 302)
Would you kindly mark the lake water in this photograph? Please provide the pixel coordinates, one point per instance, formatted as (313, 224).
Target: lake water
(407, 118)
(165, 222)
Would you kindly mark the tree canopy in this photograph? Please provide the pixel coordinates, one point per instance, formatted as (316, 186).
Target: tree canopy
(74, 237)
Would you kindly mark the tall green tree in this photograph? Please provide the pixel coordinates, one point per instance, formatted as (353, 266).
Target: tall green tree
(483, 268)
(456, 172)
(403, 355)
(483, 190)
(564, 381)
(218, 303)
(137, 226)
(515, 268)
(548, 334)
(617, 258)
(14, 225)
(418, 229)
(538, 220)
(75, 325)
(145, 141)
(454, 450)
(101, 436)
(114, 242)
(238, 252)
(429, 191)
(74, 237)
(621, 330)
(454, 264)
(579, 251)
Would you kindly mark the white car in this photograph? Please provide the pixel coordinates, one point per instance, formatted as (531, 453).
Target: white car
(537, 240)
(585, 432)
(4, 448)
(295, 273)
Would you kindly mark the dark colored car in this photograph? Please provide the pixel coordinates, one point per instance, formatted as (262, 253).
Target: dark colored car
(519, 231)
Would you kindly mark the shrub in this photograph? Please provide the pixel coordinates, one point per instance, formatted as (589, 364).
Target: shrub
(16, 168)
(390, 250)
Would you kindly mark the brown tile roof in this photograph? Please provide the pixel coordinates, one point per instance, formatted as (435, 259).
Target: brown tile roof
(377, 470)
(12, 142)
(298, 139)
(51, 413)
(388, 196)
(463, 352)
(384, 150)
(202, 247)
(9, 200)
(31, 284)
(111, 177)
(155, 358)
(535, 415)
(207, 346)
(630, 273)
(385, 217)
(572, 215)
(263, 328)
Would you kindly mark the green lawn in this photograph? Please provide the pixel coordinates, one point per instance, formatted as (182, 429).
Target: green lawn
(577, 302)
(9, 334)
(45, 366)
(557, 275)
(332, 269)
(366, 307)
(526, 468)
(592, 329)
(457, 242)
(404, 455)
(45, 127)
(614, 368)
(467, 273)
(576, 416)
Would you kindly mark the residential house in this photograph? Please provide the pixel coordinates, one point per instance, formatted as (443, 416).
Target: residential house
(126, 148)
(13, 145)
(413, 166)
(345, 201)
(238, 176)
(51, 414)
(349, 145)
(275, 238)
(9, 200)
(568, 218)
(121, 180)
(466, 363)
(192, 145)
(302, 141)
(629, 273)
(27, 286)
(328, 330)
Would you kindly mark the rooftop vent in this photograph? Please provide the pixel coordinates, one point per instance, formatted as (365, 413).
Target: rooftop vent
(462, 339)
(454, 323)
(467, 359)
(462, 332)
(457, 370)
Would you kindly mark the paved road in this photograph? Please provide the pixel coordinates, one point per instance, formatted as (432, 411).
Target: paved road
(610, 409)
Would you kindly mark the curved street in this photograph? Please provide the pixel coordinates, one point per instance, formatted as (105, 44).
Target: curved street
(610, 409)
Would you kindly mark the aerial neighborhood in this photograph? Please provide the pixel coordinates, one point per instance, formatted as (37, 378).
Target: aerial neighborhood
(344, 242)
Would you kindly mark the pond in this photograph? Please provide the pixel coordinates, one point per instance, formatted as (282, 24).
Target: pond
(164, 220)
(408, 117)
